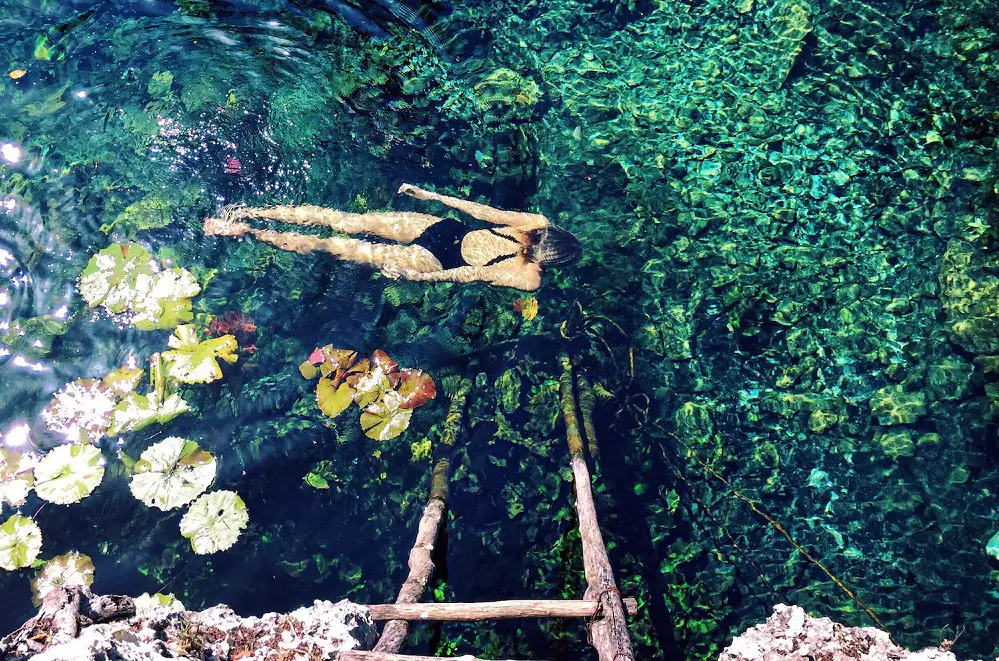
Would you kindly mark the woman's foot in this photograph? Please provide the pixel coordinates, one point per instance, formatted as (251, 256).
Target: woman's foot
(225, 226)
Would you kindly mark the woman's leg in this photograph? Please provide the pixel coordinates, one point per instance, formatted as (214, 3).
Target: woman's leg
(401, 226)
(379, 255)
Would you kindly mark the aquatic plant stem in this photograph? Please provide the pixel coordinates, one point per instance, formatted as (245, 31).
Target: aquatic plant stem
(587, 402)
(421, 564)
(773, 522)
(609, 630)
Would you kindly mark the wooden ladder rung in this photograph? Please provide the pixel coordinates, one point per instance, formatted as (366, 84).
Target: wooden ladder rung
(390, 656)
(490, 610)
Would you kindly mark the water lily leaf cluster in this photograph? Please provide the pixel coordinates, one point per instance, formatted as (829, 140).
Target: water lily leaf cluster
(386, 394)
(86, 410)
(73, 569)
(130, 284)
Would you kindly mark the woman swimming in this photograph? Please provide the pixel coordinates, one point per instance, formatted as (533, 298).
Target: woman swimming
(426, 247)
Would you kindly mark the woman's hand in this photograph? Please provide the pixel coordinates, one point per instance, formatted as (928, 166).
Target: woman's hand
(413, 191)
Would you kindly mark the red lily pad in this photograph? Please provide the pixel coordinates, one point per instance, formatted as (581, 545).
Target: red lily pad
(416, 387)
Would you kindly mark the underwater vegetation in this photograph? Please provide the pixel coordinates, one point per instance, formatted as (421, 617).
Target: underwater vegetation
(789, 214)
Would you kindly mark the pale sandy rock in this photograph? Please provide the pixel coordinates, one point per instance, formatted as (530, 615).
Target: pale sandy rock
(790, 634)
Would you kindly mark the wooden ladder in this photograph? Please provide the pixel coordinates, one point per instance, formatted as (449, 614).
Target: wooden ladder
(602, 603)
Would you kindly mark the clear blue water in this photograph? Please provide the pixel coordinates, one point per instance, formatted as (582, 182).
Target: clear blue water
(789, 215)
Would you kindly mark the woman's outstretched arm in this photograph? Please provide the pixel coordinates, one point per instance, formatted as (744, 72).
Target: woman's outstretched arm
(526, 279)
(516, 219)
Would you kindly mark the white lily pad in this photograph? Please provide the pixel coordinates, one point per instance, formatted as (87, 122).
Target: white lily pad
(20, 542)
(192, 361)
(214, 521)
(16, 476)
(69, 473)
(172, 473)
(146, 602)
(81, 411)
(71, 569)
(135, 412)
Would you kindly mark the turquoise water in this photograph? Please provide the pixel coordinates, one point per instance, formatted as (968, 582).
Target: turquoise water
(789, 211)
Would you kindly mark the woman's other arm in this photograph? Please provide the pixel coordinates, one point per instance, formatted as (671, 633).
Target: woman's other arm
(516, 219)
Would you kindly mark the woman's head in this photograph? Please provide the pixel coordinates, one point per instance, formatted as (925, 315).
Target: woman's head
(555, 246)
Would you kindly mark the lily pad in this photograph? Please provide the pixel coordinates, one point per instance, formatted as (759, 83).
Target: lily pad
(416, 388)
(172, 473)
(123, 380)
(146, 602)
(71, 569)
(384, 419)
(333, 400)
(136, 412)
(127, 279)
(370, 387)
(81, 411)
(164, 301)
(16, 476)
(20, 542)
(69, 473)
(196, 362)
(110, 276)
(214, 521)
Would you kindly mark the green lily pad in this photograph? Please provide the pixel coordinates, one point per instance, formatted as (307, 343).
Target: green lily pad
(16, 476)
(151, 212)
(110, 276)
(127, 279)
(333, 400)
(69, 569)
(123, 380)
(384, 419)
(164, 301)
(136, 412)
(81, 411)
(214, 521)
(20, 542)
(196, 362)
(146, 602)
(69, 473)
(172, 473)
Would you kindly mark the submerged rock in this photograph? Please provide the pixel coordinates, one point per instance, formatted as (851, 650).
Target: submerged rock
(68, 628)
(791, 634)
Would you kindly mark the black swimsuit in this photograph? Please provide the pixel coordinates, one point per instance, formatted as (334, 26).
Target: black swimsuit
(443, 240)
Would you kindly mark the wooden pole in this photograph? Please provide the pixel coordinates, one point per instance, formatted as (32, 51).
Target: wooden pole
(490, 610)
(609, 632)
(421, 564)
(587, 402)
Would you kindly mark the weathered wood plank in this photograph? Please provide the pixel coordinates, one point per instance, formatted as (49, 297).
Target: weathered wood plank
(609, 632)
(421, 565)
(490, 610)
